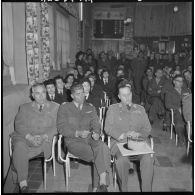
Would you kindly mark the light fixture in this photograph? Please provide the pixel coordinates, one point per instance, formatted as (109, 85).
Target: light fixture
(175, 9)
(128, 20)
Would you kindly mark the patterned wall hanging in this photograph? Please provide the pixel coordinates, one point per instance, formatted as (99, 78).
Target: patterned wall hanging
(45, 50)
(32, 46)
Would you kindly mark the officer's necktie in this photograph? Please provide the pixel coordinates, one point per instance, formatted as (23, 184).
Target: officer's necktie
(128, 107)
(40, 108)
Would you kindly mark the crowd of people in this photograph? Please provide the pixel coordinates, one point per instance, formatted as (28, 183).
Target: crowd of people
(141, 91)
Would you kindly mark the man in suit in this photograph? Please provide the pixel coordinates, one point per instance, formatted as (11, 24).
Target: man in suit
(128, 119)
(108, 84)
(78, 122)
(173, 100)
(60, 92)
(50, 88)
(35, 126)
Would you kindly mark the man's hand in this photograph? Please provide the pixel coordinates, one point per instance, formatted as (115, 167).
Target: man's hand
(45, 137)
(35, 140)
(95, 136)
(82, 134)
(158, 91)
(133, 134)
(122, 136)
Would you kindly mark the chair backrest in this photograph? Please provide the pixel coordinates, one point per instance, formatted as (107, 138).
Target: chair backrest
(10, 146)
(172, 116)
(189, 131)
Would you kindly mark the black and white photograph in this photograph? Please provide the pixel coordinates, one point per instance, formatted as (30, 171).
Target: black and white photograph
(97, 96)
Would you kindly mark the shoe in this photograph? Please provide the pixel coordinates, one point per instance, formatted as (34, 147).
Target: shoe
(24, 189)
(102, 188)
(131, 171)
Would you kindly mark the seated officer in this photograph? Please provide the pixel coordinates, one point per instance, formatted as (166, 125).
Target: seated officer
(154, 90)
(35, 126)
(78, 122)
(124, 119)
(173, 99)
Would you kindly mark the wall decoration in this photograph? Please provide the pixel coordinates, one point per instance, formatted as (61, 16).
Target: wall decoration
(37, 42)
(45, 52)
(32, 49)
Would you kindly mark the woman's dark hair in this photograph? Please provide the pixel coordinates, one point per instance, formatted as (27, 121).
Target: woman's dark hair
(78, 54)
(67, 76)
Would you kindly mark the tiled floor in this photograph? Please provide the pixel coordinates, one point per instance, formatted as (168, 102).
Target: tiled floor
(172, 170)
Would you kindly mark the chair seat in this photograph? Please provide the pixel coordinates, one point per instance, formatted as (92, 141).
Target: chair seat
(71, 155)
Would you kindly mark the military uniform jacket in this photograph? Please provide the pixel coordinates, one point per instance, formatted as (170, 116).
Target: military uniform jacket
(153, 87)
(173, 99)
(121, 120)
(29, 120)
(70, 119)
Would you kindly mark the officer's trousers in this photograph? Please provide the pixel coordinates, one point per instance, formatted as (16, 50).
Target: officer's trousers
(179, 125)
(22, 152)
(146, 169)
(97, 152)
(156, 108)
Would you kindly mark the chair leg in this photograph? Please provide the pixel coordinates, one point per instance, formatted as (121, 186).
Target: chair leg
(188, 147)
(45, 171)
(66, 175)
(171, 131)
(54, 167)
(176, 139)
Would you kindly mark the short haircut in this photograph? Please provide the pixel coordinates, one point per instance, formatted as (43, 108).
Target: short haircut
(124, 83)
(68, 75)
(186, 71)
(92, 75)
(177, 76)
(120, 69)
(103, 71)
(58, 77)
(85, 80)
(75, 87)
(33, 87)
(49, 82)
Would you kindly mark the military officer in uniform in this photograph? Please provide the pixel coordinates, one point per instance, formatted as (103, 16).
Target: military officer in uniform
(173, 100)
(35, 126)
(124, 119)
(78, 122)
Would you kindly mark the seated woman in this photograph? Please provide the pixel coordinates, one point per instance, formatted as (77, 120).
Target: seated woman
(69, 80)
(95, 98)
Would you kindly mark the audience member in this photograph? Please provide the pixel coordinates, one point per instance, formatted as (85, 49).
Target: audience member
(128, 119)
(173, 100)
(60, 92)
(35, 126)
(78, 122)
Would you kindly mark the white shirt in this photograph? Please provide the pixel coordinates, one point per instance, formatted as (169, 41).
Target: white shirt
(52, 96)
(77, 105)
(105, 81)
(87, 96)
